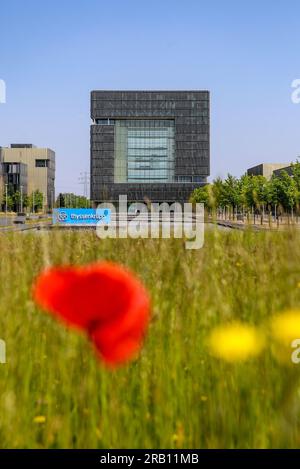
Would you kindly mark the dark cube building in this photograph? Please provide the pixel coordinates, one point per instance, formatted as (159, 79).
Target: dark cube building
(149, 145)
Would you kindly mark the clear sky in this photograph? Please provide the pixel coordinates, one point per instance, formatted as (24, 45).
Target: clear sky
(53, 53)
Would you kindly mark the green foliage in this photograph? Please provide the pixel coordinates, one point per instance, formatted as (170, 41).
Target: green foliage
(36, 201)
(231, 192)
(253, 192)
(70, 200)
(201, 195)
(8, 202)
(15, 202)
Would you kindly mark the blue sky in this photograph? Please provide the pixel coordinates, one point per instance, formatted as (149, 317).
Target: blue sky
(52, 53)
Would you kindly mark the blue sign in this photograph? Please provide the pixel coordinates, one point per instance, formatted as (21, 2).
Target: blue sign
(81, 216)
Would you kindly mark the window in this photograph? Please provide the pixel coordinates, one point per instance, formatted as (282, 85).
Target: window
(105, 121)
(184, 178)
(41, 163)
(198, 179)
(144, 150)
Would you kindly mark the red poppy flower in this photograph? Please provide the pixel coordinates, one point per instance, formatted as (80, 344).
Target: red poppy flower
(104, 299)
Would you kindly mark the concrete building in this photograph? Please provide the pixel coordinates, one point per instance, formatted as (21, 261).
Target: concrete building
(38, 175)
(149, 145)
(288, 169)
(265, 169)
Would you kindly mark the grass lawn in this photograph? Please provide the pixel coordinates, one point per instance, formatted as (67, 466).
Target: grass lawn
(54, 393)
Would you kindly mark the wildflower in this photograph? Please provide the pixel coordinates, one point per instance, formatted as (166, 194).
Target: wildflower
(285, 328)
(103, 299)
(235, 342)
(39, 419)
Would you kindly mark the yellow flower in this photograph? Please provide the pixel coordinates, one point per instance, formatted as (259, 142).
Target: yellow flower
(39, 419)
(235, 342)
(285, 328)
(178, 437)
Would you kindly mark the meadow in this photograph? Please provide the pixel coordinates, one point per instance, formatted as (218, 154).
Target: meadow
(54, 392)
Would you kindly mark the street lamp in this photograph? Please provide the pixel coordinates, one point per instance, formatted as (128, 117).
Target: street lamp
(6, 203)
(21, 200)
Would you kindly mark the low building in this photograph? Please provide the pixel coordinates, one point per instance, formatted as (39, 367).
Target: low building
(29, 169)
(266, 169)
(288, 169)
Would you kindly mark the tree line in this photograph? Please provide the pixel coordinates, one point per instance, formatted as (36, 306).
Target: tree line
(70, 200)
(17, 202)
(253, 194)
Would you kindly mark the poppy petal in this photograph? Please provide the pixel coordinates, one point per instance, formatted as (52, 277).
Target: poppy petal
(104, 299)
(120, 340)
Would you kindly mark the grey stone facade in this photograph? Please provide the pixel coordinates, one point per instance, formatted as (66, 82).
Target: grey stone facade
(190, 112)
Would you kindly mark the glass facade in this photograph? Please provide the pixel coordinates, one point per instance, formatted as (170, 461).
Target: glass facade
(144, 150)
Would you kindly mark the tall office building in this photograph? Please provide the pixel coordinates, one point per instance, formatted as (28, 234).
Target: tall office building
(149, 145)
(30, 168)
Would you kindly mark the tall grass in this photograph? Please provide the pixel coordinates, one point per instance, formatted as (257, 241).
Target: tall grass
(175, 394)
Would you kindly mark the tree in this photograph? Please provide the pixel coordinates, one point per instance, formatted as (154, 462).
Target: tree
(288, 192)
(231, 193)
(26, 201)
(218, 192)
(36, 201)
(8, 202)
(60, 201)
(17, 201)
(201, 195)
(70, 200)
(255, 193)
(247, 191)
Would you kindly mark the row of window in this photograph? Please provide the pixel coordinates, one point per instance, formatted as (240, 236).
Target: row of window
(163, 164)
(105, 121)
(136, 151)
(150, 133)
(163, 177)
(179, 104)
(183, 95)
(147, 123)
(41, 163)
(142, 180)
(153, 123)
(18, 167)
(189, 179)
(183, 124)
